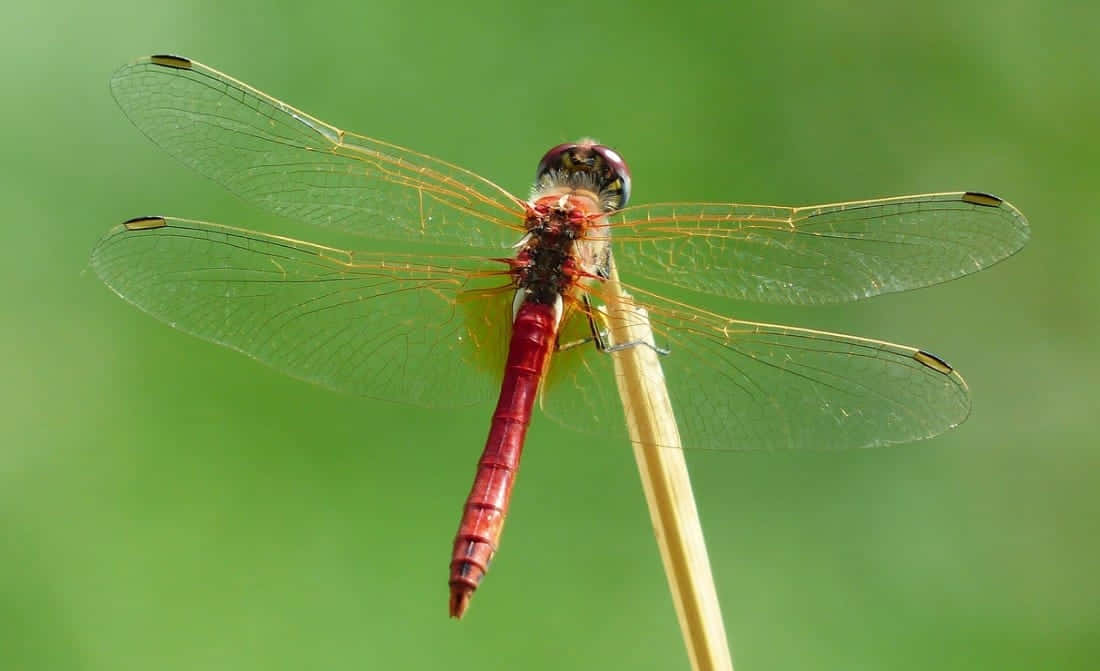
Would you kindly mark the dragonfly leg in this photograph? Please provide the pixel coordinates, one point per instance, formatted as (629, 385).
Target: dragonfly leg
(599, 336)
(662, 351)
(565, 346)
(606, 348)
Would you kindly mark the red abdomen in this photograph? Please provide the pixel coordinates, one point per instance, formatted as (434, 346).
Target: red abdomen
(533, 335)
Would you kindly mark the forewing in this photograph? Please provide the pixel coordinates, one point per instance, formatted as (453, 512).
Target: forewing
(385, 326)
(819, 253)
(297, 166)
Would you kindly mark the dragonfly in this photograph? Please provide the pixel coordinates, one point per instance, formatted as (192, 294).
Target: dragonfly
(468, 292)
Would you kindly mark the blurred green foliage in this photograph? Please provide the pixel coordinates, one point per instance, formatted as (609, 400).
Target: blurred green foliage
(168, 504)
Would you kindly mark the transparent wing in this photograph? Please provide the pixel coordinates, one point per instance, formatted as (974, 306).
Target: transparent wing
(387, 326)
(294, 165)
(738, 384)
(818, 253)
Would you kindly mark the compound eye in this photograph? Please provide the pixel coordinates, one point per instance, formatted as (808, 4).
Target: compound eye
(616, 175)
(600, 166)
(558, 158)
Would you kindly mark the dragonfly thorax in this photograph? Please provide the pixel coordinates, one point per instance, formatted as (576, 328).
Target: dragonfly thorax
(565, 246)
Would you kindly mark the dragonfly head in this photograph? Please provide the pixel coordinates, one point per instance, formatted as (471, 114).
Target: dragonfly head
(586, 165)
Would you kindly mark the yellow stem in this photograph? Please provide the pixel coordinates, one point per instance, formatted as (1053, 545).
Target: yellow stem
(664, 474)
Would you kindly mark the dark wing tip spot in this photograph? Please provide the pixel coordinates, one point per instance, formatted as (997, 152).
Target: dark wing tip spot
(979, 198)
(171, 61)
(934, 362)
(144, 223)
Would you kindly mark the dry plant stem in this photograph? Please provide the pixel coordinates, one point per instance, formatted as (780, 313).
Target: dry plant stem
(665, 480)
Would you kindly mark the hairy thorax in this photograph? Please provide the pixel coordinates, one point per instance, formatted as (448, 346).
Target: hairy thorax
(566, 246)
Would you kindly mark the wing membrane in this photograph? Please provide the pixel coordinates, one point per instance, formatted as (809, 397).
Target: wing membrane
(385, 326)
(738, 384)
(297, 166)
(819, 253)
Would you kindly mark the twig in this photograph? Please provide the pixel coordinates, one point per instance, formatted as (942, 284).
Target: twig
(665, 480)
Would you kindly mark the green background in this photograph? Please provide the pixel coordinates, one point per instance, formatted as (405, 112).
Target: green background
(168, 504)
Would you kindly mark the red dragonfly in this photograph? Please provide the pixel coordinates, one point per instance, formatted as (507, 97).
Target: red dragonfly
(487, 284)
